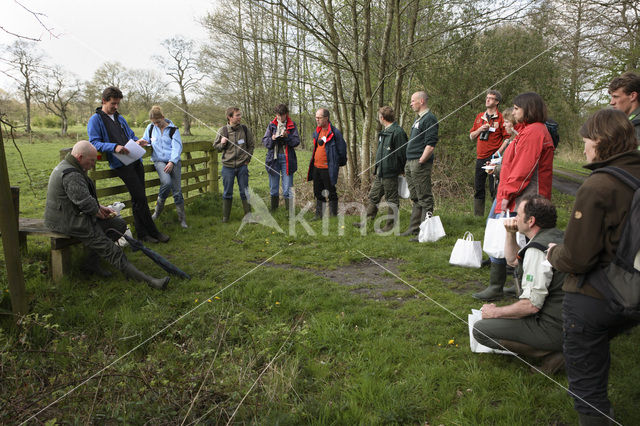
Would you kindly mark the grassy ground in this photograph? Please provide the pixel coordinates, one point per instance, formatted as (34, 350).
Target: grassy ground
(319, 334)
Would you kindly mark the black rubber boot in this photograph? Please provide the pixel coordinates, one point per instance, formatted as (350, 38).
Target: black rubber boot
(423, 216)
(91, 265)
(478, 206)
(226, 209)
(497, 276)
(595, 420)
(319, 210)
(513, 290)
(275, 200)
(372, 210)
(248, 217)
(414, 223)
(133, 272)
(390, 222)
(333, 207)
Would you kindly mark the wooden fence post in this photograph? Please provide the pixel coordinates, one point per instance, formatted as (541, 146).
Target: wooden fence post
(213, 171)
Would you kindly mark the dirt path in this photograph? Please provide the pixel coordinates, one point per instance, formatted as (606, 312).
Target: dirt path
(567, 182)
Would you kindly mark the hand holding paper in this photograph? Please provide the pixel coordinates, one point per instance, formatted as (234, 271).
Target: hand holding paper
(134, 152)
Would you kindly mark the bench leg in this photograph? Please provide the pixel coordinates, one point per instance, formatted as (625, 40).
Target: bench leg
(60, 261)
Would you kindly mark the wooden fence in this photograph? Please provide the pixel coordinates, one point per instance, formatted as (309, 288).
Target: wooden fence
(199, 175)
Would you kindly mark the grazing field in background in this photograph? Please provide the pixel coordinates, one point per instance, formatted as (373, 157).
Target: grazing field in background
(286, 328)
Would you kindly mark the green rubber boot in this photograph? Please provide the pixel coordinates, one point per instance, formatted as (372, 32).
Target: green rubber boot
(497, 277)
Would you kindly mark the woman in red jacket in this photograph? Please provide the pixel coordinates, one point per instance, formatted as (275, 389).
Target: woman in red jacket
(527, 165)
(527, 169)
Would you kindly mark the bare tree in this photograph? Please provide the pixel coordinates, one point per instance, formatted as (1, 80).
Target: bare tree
(147, 87)
(108, 74)
(182, 67)
(24, 65)
(57, 93)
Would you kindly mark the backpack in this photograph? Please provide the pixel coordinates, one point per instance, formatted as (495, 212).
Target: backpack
(552, 127)
(172, 130)
(619, 282)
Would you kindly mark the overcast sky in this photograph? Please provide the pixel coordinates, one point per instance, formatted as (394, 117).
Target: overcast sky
(92, 32)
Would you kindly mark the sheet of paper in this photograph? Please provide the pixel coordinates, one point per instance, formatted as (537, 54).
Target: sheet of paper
(135, 153)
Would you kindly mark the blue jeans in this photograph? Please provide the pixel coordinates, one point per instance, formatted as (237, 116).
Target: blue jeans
(287, 180)
(228, 176)
(493, 215)
(170, 182)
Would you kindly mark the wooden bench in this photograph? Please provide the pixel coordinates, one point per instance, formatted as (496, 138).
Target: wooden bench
(60, 244)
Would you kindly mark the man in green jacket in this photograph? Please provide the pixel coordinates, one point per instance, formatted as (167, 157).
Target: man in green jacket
(390, 160)
(422, 142)
(73, 209)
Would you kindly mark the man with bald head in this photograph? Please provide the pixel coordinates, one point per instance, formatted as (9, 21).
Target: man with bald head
(73, 209)
(417, 170)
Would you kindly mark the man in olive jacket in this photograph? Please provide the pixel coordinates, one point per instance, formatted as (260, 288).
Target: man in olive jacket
(390, 161)
(236, 143)
(73, 209)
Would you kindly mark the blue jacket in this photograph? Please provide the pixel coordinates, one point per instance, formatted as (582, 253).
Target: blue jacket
(100, 139)
(165, 148)
(290, 141)
(336, 149)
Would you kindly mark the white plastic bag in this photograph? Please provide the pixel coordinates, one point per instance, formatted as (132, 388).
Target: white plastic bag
(495, 235)
(466, 252)
(476, 347)
(431, 229)
(403, 187)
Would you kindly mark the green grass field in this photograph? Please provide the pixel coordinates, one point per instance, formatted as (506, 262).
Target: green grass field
(273, 328)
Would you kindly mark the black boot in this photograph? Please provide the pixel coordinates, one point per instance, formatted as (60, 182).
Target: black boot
(478, 206)
(423, 216)
(133, 272)
(372, 210)
(91, 265)
(248, 216)
(497, 277)
(414, 223)
(226, 210)
(319, 210)
(512, 290)
(275, 200)
(390, 222)
(333, 207)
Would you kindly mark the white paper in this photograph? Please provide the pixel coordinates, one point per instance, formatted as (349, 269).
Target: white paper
(135, 153)
(476, 347)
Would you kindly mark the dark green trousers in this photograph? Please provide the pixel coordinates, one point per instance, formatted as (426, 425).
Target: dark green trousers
(387, 187)
(419, 180)
(530, 330)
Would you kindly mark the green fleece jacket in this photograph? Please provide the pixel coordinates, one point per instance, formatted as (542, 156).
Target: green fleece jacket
(391, 153)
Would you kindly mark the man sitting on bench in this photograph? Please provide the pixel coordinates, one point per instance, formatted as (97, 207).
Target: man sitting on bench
(73, 209)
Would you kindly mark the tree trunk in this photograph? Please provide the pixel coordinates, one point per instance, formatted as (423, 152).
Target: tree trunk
(365, 145)
(186, 118)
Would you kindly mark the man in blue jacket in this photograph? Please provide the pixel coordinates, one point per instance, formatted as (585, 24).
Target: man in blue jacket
(109, 132)
(329, 154)
(280, 139)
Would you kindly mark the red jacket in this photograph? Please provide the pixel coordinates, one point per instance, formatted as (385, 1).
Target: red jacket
(485, 149)
(527, 161)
